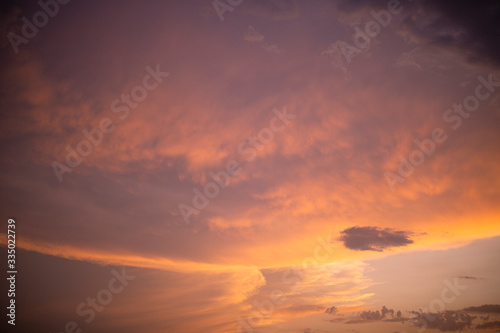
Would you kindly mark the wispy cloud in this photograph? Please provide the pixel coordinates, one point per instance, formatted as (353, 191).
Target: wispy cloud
(253, 35)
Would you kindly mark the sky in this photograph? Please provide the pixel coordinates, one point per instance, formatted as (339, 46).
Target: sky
(268, 166)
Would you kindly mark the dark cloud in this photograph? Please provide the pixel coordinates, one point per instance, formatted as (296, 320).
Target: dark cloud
(332, 310)
(384, 314)
(300, 308)
(469, 26)
(469, 277)
(373, 238)
(490, 325)
(448, 321)
(356, 321)
(487, 308)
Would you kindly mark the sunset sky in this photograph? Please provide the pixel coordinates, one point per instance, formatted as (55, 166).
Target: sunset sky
(268, 166)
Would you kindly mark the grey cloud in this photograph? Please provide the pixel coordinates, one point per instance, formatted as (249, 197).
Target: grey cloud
(385, 314)
(448, 321)
(373, 238)
(332, 310)
(468, 26)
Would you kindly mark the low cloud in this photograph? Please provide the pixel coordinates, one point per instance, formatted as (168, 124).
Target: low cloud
(446, 321)
(490, 325)
(487, 308)
(469, 277)
(384, 314)
(332, 310)
(374, 239)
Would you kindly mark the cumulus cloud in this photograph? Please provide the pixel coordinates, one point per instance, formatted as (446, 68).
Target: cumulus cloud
(374, 239)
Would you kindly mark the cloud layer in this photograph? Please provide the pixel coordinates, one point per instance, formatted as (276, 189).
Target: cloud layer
(321, 174)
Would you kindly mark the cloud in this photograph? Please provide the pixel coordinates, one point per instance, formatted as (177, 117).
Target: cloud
(384, 314)
(253, 35)
(465, 26)
(331, 310)
(469, 277)
(490, 325)
(271, 48)
(407, 59)
(275, 10)
(312, 290)
(165, 300)
(445, 321)
(326, 168)
(487, 308)
(355, 5)
(373, 238)
(336, 58)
